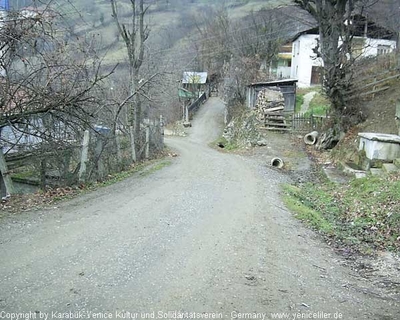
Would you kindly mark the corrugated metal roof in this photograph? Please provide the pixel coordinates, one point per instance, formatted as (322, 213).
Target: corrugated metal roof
(194, 77)
(272, 83)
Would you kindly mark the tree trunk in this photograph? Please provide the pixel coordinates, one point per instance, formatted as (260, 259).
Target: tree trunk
(134, 39)
(147, 150)
(133, 144)
(5, 174)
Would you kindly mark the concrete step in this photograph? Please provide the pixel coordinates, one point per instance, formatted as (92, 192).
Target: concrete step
(335, 175)
(377, 172)
(389, 167)
(397, 162)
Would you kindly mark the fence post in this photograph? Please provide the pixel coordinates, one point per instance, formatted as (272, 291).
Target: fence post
(118, 146)
(84, 156)
(98, 152)
(3, 191)
(312, 119)
(133, 146)
(162, 131)
(147, 150)
(43, 174)
(9, 186)
(374, 88)
(186, 114)
(398, 115)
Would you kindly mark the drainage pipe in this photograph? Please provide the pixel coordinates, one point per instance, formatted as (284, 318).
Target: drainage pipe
(311, 138)
(277, 163)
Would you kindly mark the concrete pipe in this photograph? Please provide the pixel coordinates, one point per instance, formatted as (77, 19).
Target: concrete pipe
(277, 163)
(311, 138)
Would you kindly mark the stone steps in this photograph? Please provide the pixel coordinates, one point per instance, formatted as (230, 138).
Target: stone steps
(377, 172)
(389, 167)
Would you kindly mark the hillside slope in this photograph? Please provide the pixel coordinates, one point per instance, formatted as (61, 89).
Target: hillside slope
(168, 23)
(380, 112)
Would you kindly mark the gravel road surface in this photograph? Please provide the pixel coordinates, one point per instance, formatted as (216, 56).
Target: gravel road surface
(207, 234)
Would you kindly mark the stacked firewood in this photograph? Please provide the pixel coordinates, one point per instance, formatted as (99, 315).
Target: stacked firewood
(269, 101)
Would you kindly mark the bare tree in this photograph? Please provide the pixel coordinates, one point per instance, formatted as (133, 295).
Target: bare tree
(135, 33)
(212, 40)
(238, 51)
(48, 88)
(335, 39)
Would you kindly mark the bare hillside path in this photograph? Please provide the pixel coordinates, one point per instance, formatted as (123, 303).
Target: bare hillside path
(307, 99)
(206, 234)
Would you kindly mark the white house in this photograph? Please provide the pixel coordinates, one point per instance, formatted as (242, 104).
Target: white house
(281, 66)
(306, 67)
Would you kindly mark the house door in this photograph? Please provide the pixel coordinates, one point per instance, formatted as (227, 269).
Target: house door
(316, 73)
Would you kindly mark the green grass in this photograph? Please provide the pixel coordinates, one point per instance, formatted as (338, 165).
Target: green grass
(299, 102)
(27, 173)
(142, 169)
(155, 168)
(319, 105)
(304, 211)
(228, 146)
(364, 214)
(300, 93)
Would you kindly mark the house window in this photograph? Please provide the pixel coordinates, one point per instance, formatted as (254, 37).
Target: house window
(294, 49)
(382, 49)
(298, 49)
(289, 64)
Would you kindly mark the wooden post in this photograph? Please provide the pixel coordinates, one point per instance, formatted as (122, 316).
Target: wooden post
(312, 119)
(374, 88)
(98, 152)
(162, 131)
(147, 150)
(84, 156)
(4, 172)
(133, 145)
(398, 115)
(398, 49)
(43, 174)
(3, 192)
(66, 163)
(186, 114)
(118, 146)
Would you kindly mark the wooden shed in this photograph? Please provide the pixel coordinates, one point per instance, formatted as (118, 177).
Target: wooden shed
(286, 86)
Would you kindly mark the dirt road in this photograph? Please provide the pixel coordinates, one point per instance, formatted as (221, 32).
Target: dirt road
(207, 234)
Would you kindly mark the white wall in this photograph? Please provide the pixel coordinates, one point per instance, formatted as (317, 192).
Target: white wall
(284, 72)
(372, 45)
(303, 59)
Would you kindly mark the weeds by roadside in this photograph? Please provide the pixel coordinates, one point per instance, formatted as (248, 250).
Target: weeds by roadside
(319, 105)
(20, 203)
(363, 215)
(299, 102)
(223, 144)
